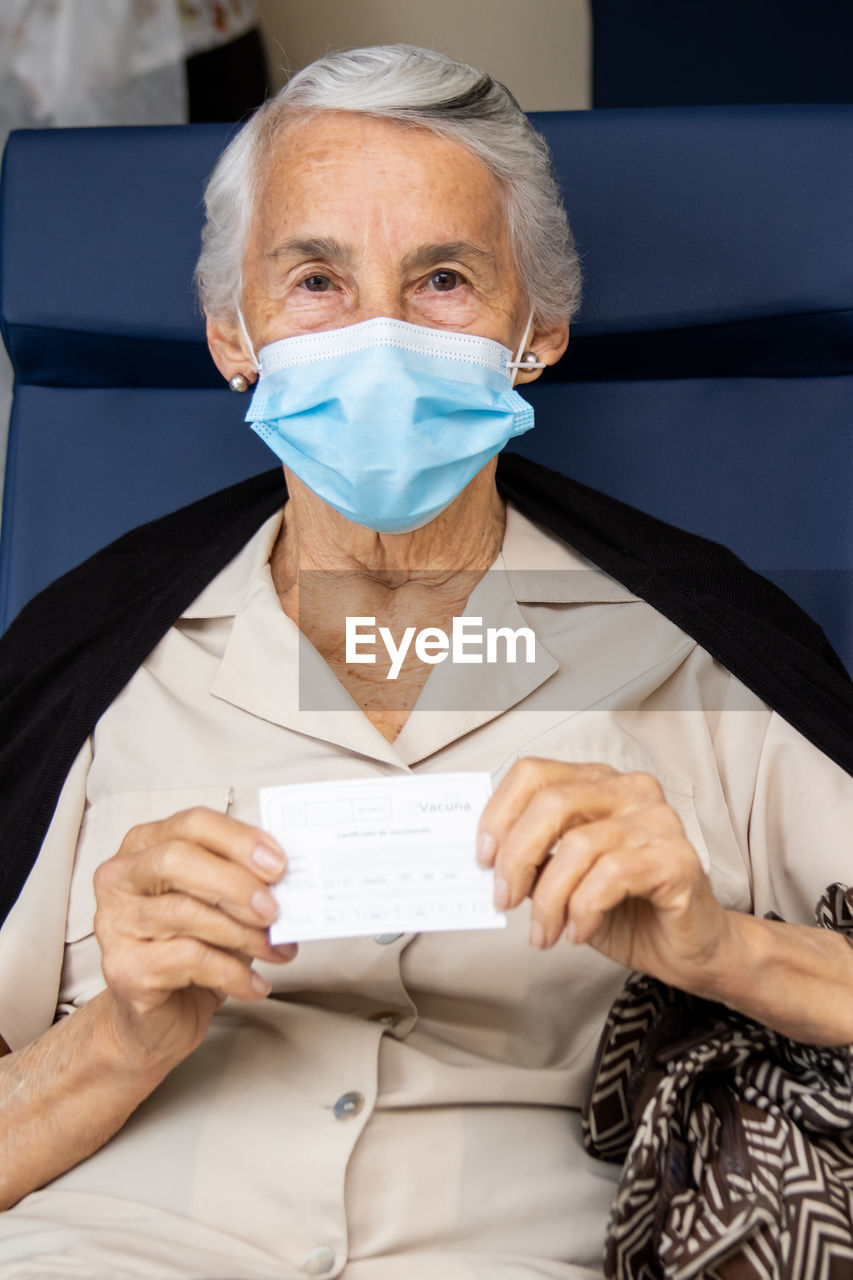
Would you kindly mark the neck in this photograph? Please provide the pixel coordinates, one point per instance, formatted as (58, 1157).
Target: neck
(419, 579)
(465, 537)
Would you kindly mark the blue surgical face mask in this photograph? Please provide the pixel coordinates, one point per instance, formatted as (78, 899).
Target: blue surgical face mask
(387, 421)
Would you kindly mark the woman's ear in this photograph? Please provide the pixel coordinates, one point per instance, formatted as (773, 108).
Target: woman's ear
(228, 348)
(548, 345)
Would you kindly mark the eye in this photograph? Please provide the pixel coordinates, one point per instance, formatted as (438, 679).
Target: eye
(317, 283)
(444, 281)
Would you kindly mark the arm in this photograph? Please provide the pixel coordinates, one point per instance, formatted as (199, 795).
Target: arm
(624, 879)
(63, 1096)
(183, 908)
(794, 978)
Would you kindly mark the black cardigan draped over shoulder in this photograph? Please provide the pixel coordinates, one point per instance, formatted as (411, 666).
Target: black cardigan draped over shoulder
(73, 648)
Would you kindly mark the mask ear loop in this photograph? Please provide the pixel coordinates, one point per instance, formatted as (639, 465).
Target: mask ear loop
(525, 359)
(255, 362)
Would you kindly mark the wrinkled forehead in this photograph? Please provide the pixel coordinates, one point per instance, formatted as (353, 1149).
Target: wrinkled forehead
(333, 171)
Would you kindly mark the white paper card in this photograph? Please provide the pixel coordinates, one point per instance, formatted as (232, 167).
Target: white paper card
(389, 855)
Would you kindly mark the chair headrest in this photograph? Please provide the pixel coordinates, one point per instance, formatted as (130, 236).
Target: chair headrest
(721, 226)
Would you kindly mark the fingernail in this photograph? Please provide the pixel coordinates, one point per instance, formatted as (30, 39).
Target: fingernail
(260, 984)
(502, 894)
(537, 934)
(486, 846)
(264, 904)
(267, 859)
(571, 932)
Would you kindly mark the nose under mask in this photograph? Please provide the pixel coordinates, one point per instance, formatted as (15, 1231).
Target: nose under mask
(387, 421)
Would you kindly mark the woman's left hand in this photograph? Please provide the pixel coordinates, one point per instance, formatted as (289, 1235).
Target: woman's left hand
(604, 859)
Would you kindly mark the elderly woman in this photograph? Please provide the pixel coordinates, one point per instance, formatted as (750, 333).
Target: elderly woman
(384, 256)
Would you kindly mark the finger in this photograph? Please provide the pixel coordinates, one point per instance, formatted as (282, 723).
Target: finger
(514, 792)
(664, 872)
(571, 861)
(171, 965)
(173, 915)
(178, 866)
(526, 848)
(236, 841)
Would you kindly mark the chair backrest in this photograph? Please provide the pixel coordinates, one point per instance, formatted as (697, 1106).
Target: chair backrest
(708, 379)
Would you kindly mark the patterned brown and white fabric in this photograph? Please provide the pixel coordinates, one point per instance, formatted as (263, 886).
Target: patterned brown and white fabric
(738, 1142)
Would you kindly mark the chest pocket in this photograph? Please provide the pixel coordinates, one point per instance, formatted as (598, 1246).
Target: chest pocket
(678, 791)
(105, 825)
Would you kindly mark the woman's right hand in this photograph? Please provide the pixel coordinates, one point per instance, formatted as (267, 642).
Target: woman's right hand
(182, 910)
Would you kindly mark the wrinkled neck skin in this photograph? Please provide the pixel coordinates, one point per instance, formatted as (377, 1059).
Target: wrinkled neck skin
(436, 565)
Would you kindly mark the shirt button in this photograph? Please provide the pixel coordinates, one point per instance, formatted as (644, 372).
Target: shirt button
(347, 1106)
(319, 1261)
(387, 1018)
(384, 938)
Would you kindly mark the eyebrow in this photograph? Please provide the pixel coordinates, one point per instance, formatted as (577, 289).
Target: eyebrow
(430, 255)
(325, 248)
(328, 249)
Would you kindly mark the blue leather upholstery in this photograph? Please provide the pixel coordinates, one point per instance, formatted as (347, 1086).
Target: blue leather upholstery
(708, 379)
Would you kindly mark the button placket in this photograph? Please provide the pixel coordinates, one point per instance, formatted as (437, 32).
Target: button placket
(399, 1014)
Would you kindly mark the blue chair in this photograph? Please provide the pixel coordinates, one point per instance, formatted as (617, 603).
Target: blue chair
(708, 379)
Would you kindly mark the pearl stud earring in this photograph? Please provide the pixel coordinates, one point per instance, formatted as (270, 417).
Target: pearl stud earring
(238, 382)
(529, 360)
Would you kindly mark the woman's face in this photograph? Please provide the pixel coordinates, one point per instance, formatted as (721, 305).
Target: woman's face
(359, 217)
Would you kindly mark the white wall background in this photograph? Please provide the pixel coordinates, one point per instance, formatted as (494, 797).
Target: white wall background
(539, 48)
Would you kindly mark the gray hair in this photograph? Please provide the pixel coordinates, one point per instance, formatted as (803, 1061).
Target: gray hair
(415, 87)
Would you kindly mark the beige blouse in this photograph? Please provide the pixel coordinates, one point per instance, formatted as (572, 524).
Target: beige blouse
(401, 1107)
